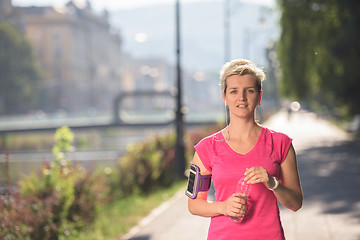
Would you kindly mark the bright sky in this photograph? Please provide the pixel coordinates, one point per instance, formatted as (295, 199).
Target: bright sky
(112, 5)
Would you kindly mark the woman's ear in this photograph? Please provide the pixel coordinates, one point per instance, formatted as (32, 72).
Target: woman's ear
(224, 100)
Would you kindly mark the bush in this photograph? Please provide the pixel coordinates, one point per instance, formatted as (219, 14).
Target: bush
(146, 166)
(18, 218)
(90, 192)
(55, 203)
(60, 200)
(53, 190)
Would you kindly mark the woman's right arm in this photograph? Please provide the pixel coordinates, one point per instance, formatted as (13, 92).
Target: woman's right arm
(234, 206)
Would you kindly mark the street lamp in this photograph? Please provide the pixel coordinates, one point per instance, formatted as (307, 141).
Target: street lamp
(179, 163)
(227, 42)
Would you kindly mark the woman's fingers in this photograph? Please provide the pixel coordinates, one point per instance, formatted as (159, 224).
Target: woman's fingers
(239, 205)
(256, 175)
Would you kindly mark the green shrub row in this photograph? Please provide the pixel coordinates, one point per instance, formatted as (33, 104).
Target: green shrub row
(60, 200)
(55, 203)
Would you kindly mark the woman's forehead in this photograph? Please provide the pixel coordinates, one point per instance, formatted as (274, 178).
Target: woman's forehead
(244, 80)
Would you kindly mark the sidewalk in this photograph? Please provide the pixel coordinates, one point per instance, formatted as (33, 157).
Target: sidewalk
(329, 166)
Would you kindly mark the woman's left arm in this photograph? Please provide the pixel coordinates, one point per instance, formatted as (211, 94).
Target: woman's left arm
(289, 192)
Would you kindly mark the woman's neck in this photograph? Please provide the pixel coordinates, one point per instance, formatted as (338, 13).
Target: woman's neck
(242, 129)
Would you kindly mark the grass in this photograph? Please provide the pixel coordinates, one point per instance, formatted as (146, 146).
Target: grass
(118, 218)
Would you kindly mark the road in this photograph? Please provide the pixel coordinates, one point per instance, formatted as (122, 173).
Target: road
(329, 166)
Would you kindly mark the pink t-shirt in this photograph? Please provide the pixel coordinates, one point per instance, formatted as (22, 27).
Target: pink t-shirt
(262, 220)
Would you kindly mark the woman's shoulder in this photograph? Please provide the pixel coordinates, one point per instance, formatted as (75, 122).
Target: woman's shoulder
(217, 136)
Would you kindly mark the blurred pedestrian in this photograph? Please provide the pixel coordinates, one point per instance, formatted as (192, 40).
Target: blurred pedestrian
(265, 157)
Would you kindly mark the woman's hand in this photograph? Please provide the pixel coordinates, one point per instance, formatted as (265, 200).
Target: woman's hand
(235, 205)
(259, 175)
(288, 192)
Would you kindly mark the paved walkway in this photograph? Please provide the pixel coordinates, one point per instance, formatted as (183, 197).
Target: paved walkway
(329, 166)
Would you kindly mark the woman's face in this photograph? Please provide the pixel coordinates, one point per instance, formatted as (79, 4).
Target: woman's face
(241, 95)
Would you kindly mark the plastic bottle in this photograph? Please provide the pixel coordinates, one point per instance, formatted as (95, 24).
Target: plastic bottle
(244, 188)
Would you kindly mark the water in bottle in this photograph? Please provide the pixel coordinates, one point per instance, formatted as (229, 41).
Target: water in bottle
(244, 188)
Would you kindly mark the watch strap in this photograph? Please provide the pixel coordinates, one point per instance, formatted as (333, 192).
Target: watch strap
(277, 182)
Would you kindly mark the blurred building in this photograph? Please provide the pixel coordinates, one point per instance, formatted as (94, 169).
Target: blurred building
(6, 10)
(153, 75)
(80, 54)
(149, 74)
(202, 91)
(86, 69)
(8, 13)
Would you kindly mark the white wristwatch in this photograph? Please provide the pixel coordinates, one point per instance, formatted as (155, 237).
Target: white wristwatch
(277, 182)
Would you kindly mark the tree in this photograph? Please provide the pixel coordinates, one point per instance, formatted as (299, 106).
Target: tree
(19, 74)
(319, 50)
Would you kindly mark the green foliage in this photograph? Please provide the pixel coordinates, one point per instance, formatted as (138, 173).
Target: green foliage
(64, 139)
(62, 199)
(55, 186)
(147, 165)
(59, 201)
(20, 75)
(118, 217)
(319, 50)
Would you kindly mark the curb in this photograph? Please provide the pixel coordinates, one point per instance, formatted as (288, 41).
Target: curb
(154, 214)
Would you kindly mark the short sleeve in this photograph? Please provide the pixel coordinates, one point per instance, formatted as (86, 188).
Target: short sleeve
(285, 143)
(204, 151)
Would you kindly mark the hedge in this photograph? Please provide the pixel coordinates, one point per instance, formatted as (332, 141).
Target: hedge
(62, 198)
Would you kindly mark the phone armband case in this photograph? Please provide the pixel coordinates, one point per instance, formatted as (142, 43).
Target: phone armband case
(197, 182)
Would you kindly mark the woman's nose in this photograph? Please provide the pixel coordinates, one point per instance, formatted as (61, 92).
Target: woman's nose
(242, 95)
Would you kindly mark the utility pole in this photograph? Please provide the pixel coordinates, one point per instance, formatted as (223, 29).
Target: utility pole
(227, 37)
(227, 45)
(179, 164)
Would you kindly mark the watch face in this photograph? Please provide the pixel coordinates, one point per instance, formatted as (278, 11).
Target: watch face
(191, 181)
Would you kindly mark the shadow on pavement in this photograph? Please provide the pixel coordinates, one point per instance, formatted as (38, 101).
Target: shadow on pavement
(142, 237)
(331, 175)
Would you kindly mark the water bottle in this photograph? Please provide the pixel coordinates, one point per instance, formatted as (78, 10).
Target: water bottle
(244, 188)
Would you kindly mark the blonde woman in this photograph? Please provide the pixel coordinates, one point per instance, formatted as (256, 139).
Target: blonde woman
(244, 148)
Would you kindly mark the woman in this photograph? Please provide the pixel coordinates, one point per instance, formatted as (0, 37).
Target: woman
(245, 148)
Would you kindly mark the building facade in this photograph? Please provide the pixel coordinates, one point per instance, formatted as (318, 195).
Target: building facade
(80, 55)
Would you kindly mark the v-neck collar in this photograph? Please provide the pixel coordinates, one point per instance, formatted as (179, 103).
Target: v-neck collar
(253, 149)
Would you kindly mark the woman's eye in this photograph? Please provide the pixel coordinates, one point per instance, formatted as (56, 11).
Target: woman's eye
(251, 91)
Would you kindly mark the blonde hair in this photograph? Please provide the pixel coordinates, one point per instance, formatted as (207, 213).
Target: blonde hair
(240, 67)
